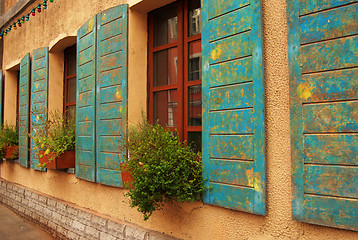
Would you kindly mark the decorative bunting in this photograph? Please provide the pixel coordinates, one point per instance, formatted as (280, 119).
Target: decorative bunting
(20, 21)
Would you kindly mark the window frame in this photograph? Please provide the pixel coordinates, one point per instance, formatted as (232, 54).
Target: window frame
(71, 49)
(182, 86)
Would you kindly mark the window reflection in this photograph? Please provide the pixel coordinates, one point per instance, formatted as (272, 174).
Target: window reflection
(194, 17)
(166, 108)
(166, 26)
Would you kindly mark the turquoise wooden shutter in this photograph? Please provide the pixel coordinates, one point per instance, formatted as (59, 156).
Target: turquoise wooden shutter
(86, 101)
(323, 64)
(111, 109)
(233, 105)
(39, 97)
(24, 103)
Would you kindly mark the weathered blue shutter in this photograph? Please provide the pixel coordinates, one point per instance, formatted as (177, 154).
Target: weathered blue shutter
(86, 101)
(233, 105)
(323, 64)
(111, 109)
(24, 103)
(39, 98)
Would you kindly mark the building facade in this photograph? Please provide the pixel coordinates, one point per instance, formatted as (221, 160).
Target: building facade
(266, 89)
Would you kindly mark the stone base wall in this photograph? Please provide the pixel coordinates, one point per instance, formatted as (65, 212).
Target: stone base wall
(65, 221)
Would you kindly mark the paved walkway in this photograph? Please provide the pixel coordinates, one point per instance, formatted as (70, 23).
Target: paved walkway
(13, 227)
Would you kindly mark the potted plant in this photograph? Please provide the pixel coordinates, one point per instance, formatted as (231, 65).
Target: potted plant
(9, 141)
(126, 174)
(163, 168)
(56, 142)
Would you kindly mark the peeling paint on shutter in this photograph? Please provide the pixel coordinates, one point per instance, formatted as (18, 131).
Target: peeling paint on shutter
(86, 101)
(233, 105)
(39, 98)
(111, 123)
(323, 64)
(24, 103)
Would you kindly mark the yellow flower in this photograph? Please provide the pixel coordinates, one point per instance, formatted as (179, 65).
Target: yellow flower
(47, 151)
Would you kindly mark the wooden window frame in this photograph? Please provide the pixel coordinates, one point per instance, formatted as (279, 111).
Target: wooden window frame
(17, 99)
(183, 83)
(66, 78)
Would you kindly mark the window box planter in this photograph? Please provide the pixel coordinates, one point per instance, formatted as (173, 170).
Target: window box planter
(65, 160)
(127, 177)
(11, 152)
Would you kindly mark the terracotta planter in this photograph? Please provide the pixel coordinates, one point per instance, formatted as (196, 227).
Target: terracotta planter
(126, 174)
(10, 150)
(65, 160)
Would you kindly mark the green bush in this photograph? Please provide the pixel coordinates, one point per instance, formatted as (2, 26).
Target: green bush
(9, 136)
(163, 169)
(55, 135)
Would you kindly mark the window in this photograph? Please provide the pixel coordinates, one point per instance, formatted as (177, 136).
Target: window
(175, 69)
(17, 98)
(70, 83)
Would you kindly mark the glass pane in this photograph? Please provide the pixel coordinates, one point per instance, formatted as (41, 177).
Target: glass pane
(165, 26)
(71, 62)
(166, 108)
(194, 20)
(194, 140)
(194, 111)
(71, 90)
(195, 60)
(71, 114)
(165, 67)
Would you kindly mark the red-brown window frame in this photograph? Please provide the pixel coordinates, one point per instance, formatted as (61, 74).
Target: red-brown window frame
(17, 99)
(182, 85)
(66, 78)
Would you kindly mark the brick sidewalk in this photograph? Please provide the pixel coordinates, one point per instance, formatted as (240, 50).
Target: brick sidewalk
(13, 227)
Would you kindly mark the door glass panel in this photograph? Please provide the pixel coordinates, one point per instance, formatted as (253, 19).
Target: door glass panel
(71, 90)
(166, 108)
(194, 61)
(194, 20)
(194, 110)
(165, 26)
(165, 67)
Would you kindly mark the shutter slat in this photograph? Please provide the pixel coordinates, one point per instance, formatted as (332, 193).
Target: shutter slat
(86, 101)
(339, 212)
(339, 85)
(233, 105)
(334, 23)
(311, 6)
(323, 149)
(39, 98)
(232, 172)
(341, 181)
(323, 64)
(111, 100)
(330, 117)
(331, 55)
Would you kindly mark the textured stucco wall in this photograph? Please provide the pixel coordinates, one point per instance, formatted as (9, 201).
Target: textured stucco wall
(8, 4)
(190, 220)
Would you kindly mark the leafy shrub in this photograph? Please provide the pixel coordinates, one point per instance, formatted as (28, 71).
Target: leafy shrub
(163, 169)
(55, 135)
(9, 136)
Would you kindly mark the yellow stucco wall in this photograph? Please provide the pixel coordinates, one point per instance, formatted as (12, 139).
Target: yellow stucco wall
(189, 220)
(8, 4)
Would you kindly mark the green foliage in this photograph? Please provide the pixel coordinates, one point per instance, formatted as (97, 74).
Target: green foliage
(54, 135)
(163, 169)
(9, 136)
